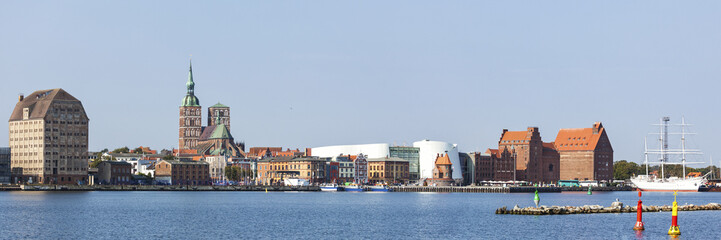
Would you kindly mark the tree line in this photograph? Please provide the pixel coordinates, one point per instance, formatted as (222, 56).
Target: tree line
(623, 170)
(235, 173)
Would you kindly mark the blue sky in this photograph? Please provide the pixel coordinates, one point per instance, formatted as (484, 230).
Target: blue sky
(305, 74)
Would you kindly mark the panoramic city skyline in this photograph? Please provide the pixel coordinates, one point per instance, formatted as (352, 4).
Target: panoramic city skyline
(310, 75)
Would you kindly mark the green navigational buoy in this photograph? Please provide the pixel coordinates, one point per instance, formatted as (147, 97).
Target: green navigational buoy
(589, 190)
(536, 199)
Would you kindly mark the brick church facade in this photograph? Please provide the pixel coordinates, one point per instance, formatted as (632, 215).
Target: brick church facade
(194, 139)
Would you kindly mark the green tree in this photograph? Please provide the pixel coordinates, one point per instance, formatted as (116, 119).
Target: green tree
(169, 157)
(231, 173)
(623, 169)
(138, 150)
(122, 150)
(235, 173)
(95, 162)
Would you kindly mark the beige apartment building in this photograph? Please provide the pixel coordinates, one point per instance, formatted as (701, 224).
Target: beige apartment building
(49, 139)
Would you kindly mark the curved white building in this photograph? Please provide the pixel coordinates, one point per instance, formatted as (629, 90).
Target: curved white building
(376, 150)
(427, 157)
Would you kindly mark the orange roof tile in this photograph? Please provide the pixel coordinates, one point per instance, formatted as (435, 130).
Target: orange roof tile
(494, 152)
(578, 139)
(443, 160)
(550, 145)
(516, 135)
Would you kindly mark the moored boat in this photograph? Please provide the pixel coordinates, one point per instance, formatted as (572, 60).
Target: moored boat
(353, 188)
(332, 187)
(684, 183)
(653, 184)
(379, 188)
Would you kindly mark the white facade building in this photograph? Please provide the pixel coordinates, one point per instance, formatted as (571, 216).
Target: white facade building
(375, 150)
(217, 167)
(428, 152)
(143, 166)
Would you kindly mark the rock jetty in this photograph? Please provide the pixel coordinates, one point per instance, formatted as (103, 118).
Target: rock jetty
(615, 208)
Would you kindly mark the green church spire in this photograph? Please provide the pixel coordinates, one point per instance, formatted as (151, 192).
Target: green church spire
(190, 84)
(190, 100)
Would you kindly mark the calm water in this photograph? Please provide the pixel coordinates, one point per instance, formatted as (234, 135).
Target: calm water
(319, 215)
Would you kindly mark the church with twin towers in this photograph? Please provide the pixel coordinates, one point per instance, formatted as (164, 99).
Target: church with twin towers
(196, 139)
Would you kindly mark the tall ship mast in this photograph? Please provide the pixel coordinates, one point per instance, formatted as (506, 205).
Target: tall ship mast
(662, 184)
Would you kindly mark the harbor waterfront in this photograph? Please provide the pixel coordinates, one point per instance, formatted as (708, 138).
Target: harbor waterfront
(308, 215)
(442, 189)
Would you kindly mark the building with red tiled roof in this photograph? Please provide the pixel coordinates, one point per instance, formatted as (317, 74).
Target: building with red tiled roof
(260, 152)
(146, 150)
(585, 153)
(443, 171)
(527, 150)
(500, 166)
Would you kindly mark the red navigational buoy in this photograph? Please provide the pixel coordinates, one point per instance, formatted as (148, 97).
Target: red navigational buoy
(639, 215)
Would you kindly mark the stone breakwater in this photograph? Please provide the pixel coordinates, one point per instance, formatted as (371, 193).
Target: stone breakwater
(474, 189)
(615, 208)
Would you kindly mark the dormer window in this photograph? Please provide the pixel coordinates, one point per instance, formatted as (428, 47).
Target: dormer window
(26, 113)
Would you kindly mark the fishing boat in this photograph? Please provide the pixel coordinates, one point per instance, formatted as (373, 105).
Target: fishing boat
(662, 184)
(353, 188)
(330, 187)
(379, 188)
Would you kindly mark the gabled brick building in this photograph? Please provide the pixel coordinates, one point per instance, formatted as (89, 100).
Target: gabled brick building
(527, 149)
(501, 166)
(442, 173)
(585, 153)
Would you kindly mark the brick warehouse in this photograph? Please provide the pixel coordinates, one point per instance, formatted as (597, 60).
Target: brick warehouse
(577, 154)
(49, 139)
(535, 161)
(585, 153)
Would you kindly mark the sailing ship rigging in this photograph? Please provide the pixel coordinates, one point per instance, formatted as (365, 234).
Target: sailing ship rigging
(654, 183)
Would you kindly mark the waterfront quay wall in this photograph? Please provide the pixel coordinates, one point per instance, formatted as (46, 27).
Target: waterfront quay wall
(161, 188)
(483, 189)
(587, 209)
(597, 189)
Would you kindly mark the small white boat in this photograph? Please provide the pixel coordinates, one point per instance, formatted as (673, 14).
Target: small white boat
(379, 188)
(329, 187)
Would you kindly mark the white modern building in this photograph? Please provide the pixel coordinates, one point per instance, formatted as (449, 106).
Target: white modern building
(429, 150)
(375, 150)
